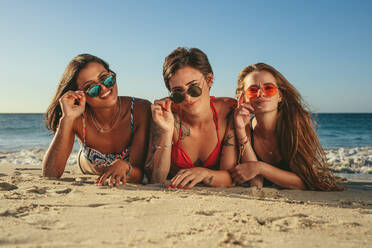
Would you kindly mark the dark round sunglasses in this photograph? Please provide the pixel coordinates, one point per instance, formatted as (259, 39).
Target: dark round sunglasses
(95, 89)
(178, 97)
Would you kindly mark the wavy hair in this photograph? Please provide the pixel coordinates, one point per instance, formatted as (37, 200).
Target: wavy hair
(182, 57)
(66, 83)
(298, 142)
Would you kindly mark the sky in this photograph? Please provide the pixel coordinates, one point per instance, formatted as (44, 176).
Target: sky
(324, 48)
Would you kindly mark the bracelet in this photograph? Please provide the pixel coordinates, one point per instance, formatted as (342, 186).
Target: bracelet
(130, 168)
(162, 146)
(242, 142)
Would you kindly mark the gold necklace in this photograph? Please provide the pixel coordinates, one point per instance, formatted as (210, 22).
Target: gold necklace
(113, 121)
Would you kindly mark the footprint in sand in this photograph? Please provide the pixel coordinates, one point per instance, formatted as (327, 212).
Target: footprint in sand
(63, 191)
(4, 186)
(37, 190)
(19, 212)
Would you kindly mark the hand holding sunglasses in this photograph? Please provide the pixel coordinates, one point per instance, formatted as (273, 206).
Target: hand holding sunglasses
(162, 115)
(94, 89)
(73, 103)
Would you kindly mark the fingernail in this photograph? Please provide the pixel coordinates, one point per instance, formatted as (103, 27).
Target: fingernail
(168, 187)
(179, 187)
(173, 187)
(186, 188)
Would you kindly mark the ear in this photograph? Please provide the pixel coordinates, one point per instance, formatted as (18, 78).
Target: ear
(241, 99)
(209, 80)
(280, 96)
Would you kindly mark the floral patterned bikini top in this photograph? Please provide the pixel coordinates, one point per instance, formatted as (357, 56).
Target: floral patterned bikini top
(100, 159)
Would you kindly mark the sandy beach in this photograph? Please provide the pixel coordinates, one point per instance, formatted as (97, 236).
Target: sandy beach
(73, 212)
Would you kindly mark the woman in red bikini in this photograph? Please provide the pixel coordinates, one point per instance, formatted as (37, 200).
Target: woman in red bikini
(112, 130)
(278, 145)
(192, 139)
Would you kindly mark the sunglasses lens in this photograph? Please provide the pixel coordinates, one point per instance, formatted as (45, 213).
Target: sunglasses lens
(177, 97)
(94, 91)
(194, 91)
(109, 82)
(252, 92)
(270, 89)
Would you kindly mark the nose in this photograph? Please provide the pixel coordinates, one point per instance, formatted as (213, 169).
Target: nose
(260, 92)
(188, 98)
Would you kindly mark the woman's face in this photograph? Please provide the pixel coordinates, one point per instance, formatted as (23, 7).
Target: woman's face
(183, 79)
(95, 74)
(264, 82)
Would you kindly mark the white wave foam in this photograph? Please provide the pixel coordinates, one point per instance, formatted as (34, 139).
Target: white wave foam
(350, 160)
(342, 160)
(30, 157)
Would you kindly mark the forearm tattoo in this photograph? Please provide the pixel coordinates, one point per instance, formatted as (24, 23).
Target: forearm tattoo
(210, 180)
(155, 132)
(226, 142)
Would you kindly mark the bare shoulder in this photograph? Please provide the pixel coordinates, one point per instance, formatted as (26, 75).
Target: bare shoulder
(224, 105)
(141, 109)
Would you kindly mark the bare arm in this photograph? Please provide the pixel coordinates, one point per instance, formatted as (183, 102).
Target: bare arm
(228, 158)
(54, 161)
(139, 140)
(280, 177)
(158, 160)
(59, 150)
(159, 154)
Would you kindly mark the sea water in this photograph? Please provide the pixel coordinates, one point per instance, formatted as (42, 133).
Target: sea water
(346, 138)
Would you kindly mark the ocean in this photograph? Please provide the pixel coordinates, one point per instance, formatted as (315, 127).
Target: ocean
(346, 138)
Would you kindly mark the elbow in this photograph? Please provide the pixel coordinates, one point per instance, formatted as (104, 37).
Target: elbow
(158, 178)
(50, 172)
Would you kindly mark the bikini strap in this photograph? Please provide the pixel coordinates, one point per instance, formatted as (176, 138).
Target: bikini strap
(131, 121)
(84, 137)
(179, 135)
(215, 118)
(131, 116)
(251, 132)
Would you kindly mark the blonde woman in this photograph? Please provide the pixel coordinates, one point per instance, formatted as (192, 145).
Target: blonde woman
(278, 145)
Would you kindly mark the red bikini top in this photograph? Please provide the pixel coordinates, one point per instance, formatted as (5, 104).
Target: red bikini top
(181, 159)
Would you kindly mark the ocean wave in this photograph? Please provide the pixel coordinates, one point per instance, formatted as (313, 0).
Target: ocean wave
(341, 160)
(350, 160)
(30, 157)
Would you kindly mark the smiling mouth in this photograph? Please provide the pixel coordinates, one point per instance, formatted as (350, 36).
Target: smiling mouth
(106, 94)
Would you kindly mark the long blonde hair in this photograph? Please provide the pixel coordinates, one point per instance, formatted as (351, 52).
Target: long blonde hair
(298, 143)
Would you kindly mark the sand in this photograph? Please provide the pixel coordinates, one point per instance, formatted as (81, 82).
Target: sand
(73, 212)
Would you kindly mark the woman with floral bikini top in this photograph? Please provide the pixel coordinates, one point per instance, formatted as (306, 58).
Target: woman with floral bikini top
(112, 130)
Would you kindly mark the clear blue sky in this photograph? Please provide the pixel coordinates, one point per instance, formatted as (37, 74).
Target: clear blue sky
(324, 48)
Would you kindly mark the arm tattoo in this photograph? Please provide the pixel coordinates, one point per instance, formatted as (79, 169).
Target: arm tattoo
(155, 132)
(225, 142)
(210, 180)
(229, 114)
(185, 129)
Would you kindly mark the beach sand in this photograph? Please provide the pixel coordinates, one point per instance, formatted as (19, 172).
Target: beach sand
(73, 212)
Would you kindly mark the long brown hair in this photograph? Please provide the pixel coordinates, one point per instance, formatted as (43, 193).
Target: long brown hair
(66, 83)
(298, 143)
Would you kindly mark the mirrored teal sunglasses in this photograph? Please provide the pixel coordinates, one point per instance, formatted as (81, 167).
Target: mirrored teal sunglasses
(95, 89)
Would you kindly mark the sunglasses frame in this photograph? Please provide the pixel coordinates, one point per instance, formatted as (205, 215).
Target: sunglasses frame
(181, 96)
(113, 80)
(276, 89)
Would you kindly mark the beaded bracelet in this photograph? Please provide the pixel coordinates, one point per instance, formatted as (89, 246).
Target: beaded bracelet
(241, 142)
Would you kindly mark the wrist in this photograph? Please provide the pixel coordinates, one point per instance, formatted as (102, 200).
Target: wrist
(129, 169)
(66, 122)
